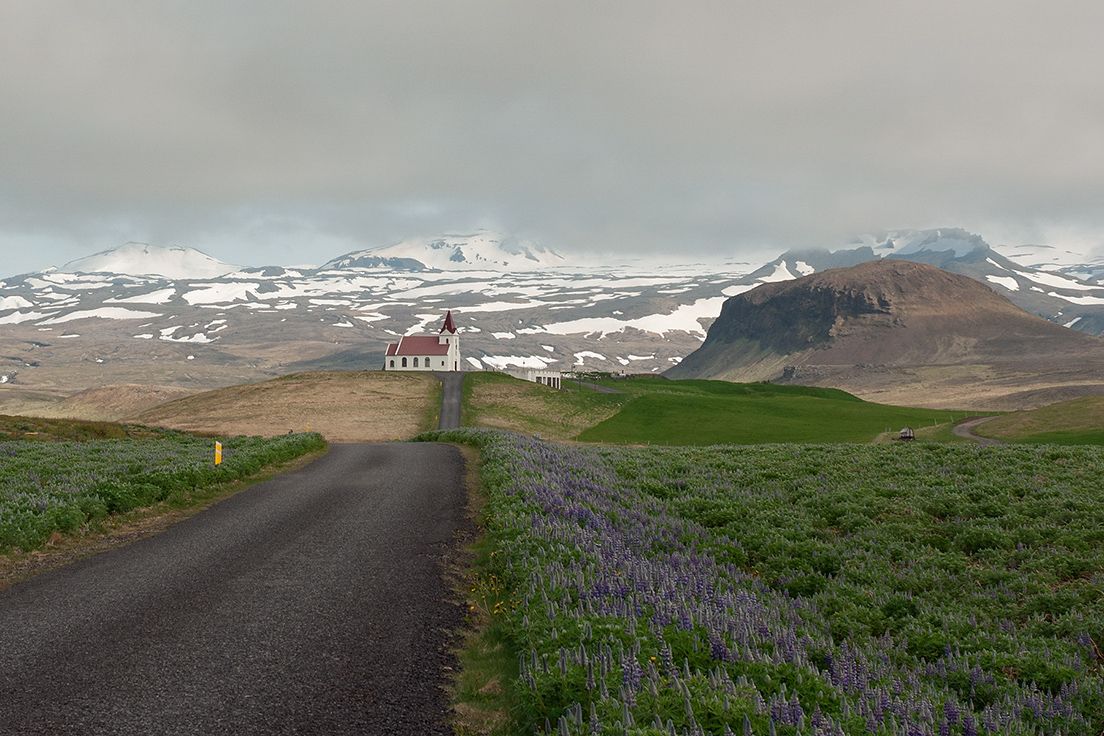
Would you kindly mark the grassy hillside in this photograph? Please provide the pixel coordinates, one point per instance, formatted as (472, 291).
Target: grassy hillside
(114, 402)
(504, 402)
(1076, 422)
(651, 410)
(343, 406)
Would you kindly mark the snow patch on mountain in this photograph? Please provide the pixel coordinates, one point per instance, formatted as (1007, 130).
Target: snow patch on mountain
(101, 313)
(161, 296)
(518, 361)
(16, 318)
(144, 259)
(13, 302)
(685, 318)
(1083, 300)
(781, 273)
(1006, 281)
(1058, 282)
(222, 293)
(1043, 257)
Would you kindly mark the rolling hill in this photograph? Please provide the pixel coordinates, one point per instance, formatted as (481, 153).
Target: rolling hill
(899, 332)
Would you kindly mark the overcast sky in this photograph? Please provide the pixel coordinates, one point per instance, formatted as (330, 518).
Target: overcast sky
(289, 132)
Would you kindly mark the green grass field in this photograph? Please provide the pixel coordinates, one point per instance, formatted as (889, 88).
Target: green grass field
(654, 410)
(666, 412)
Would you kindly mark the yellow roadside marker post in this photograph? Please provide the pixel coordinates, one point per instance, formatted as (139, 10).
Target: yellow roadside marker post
(218, 453)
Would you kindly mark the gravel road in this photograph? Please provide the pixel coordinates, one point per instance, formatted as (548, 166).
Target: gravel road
(966, 429)
(313, 603)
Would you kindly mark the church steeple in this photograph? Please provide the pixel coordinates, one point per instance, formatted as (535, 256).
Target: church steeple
(449, 326)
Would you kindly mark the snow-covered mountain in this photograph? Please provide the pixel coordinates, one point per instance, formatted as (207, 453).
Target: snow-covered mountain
(517, 305)
(143, 259)
(115, 318)
(1060, 290)
(481, 250)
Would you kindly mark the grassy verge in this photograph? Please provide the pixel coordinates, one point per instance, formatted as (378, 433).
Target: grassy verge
(481, 692)
(64, 486)
(101, 534)
(432, 416)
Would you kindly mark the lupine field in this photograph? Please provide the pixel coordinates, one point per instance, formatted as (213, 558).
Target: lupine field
(923, 589)
(48, 487)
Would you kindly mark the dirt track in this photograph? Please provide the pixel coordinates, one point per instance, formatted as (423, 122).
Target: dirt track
(966, 429)
(314, 603)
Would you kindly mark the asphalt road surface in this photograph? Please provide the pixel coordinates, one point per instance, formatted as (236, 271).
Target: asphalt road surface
(452, 390)
(314, 603)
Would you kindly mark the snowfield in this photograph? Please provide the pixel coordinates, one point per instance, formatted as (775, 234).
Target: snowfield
(101, 313)
(687, 318)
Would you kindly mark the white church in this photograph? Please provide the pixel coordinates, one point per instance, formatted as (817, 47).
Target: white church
(440, 352)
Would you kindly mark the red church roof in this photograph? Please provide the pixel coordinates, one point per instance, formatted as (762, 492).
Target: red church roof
(449, 325)
(418, 345)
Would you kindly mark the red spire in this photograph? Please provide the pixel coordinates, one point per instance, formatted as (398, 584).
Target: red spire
(449, 325)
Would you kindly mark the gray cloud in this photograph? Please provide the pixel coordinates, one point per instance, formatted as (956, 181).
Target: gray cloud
(279, 131)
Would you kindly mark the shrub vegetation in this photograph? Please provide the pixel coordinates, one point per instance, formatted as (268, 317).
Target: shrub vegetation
(828, 589)
(48, 487)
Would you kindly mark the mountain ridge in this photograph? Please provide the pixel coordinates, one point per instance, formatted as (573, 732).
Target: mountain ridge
(876, 327)
(1069, 295)
(478, 250)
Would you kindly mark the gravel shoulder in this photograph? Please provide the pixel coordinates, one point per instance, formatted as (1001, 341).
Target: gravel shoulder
(314, 603)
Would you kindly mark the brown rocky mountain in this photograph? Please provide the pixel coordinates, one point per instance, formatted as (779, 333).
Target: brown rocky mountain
(899, 332)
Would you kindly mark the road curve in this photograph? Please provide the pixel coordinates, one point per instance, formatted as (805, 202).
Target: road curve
(313, 603)
(966, 429)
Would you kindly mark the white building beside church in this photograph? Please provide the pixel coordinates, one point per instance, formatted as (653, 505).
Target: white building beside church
(440, 352)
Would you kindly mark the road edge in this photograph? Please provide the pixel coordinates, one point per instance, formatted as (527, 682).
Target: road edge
(479, 696)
